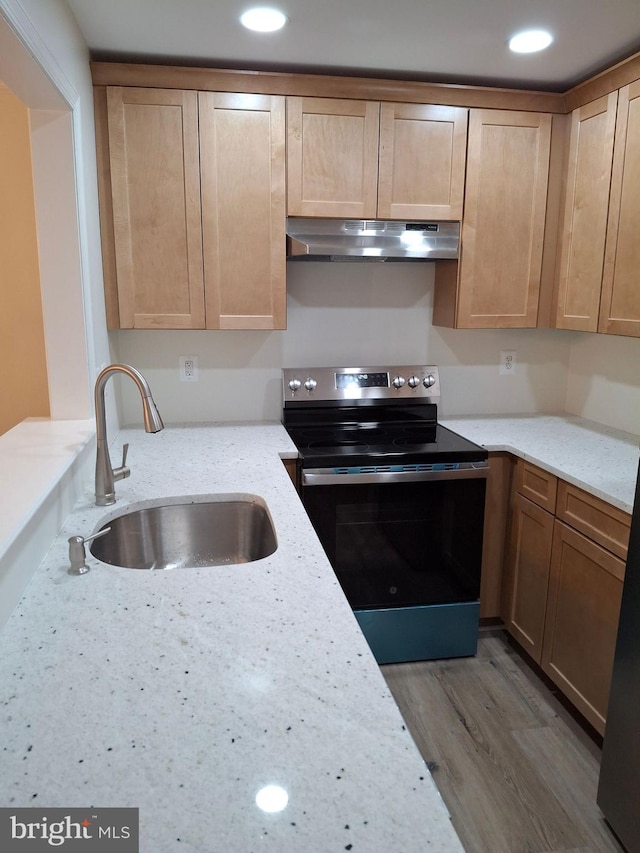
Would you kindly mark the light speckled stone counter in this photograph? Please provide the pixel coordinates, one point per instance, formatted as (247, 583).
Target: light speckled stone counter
(601, 460)
(185, 692)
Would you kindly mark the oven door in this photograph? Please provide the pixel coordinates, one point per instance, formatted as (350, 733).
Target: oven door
(398, 541)
(407, 551)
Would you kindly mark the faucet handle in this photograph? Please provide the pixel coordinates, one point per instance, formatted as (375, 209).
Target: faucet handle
(122, 472)
(77, 555)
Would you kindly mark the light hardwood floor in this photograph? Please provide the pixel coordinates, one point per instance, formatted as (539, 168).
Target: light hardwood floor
(516, 772)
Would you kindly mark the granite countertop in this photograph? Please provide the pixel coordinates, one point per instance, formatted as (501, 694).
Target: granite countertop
(185, 692)
(599, 459)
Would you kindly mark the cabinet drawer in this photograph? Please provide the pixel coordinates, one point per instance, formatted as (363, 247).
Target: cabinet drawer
(605, 524)
(537, 485)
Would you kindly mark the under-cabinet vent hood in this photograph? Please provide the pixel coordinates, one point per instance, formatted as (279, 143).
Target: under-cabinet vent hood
(370, 240)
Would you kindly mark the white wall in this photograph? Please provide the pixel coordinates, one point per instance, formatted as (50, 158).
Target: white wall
(604, 384)
(363, 313)
(346, 313)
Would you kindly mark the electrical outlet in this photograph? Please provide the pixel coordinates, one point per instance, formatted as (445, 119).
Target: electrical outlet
(188, 368)
(507, 362)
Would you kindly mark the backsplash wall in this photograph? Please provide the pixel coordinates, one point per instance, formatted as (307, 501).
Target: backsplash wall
(346, 313)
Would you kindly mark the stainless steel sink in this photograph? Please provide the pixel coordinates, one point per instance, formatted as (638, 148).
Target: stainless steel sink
(220, 530)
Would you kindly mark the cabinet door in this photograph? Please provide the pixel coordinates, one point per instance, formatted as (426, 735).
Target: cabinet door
(529, 557)
(242, 159)
(583, 609)
(585, 214)
(620, 307)
(155, 181)
(332, 157)
(422, 161)
(504, 218)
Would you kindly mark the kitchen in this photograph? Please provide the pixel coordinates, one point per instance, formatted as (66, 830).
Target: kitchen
(592, 376)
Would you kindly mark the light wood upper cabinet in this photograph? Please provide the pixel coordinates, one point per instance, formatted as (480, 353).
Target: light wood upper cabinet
(496, 282)
(155, 194)
(584, 223)
(620, 305)
(192, 208)
(242, 153)
(332, 157)
(422, 161)
(362, 159)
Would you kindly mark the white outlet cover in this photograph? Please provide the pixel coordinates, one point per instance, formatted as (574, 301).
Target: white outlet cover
(189, 368)
(507, 362)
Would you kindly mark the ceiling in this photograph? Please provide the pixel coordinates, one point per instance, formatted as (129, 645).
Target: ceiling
(436, 40)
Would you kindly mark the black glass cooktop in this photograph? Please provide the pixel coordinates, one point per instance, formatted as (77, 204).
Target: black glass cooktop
(335, 438)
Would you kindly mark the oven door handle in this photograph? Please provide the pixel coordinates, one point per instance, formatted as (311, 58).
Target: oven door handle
(326, 477)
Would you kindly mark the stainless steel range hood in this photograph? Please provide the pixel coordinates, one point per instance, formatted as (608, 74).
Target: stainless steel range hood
(370, 240)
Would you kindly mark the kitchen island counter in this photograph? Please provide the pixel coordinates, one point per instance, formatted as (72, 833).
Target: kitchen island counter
(183, 693)
(599, 459)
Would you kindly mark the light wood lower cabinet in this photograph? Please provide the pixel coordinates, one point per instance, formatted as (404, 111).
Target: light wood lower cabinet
(291, 467)
(581, 624)
(529, 557)
(496, 514)
(192, 202)
(564, 572)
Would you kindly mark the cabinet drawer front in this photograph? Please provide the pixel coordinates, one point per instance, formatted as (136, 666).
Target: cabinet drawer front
(537, 485)
(605, 524)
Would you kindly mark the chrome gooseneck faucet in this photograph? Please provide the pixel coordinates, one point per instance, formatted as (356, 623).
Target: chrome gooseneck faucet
(106, 476)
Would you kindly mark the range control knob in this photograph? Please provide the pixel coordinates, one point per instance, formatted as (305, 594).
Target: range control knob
(310, 384)
(294, 385)
(413, 381)
(429, 380)
(397, 381)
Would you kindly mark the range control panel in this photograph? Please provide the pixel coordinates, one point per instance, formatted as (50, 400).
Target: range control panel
(406, 382)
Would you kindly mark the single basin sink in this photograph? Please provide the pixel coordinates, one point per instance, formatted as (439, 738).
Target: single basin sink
(217, 531)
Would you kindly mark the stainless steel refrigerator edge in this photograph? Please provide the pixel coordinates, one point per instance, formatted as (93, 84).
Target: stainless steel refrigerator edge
(619, 787)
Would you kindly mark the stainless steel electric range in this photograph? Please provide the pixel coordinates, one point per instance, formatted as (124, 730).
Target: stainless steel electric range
(397, 501)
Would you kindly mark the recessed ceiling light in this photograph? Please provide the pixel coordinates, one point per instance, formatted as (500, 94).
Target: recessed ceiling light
(263, 20)
(529, 41)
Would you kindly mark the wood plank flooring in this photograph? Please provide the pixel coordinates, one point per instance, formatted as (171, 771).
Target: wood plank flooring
(516, 772)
